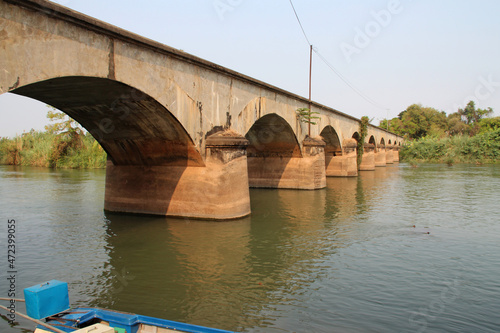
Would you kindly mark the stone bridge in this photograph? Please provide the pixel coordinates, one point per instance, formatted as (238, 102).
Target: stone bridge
(184, 136)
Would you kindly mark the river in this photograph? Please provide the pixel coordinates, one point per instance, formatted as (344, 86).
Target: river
(400, 249)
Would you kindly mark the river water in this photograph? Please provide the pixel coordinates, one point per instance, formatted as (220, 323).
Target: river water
(400, 249)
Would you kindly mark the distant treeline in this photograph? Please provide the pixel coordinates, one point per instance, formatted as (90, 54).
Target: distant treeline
(466, 136)
(481, 148)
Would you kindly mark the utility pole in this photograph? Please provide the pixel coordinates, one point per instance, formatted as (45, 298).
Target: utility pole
(387, 120)
(310, 79)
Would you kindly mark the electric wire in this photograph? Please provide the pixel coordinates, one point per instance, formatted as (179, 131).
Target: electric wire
(298, 20)
(343, 78)
(346, 81)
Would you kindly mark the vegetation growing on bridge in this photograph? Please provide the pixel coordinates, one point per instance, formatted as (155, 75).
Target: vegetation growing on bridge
(465, 136)
(63, 145)
(363, 132)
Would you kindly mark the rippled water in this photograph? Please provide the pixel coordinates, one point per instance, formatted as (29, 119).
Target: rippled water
(396, 250)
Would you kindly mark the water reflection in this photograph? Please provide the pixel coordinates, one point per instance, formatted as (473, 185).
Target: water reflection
(230, 274)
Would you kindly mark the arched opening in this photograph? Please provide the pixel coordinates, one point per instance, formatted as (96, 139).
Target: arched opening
(372, 141)
(131, 126)
(272, 136)
(333, 146)
(356, 136)
(380, 155)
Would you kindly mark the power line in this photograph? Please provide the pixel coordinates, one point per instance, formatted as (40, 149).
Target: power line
(356, 90)
(298, 20)
(346, 81)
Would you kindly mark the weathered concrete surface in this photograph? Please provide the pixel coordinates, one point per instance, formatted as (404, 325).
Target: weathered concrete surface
(389, 154)
(380, 158)
(343, 164)
(395, 154)
(305, 173)
(368, 160)
(219, 190)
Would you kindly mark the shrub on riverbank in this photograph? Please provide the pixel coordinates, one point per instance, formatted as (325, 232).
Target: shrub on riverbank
(45, 149)
(482, 148)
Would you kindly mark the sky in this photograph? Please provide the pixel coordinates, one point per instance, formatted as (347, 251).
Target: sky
(381, 55)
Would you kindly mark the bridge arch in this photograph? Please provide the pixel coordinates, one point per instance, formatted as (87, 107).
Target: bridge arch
(372, 141)
(272, 136)
(333, 146)
(131, 126)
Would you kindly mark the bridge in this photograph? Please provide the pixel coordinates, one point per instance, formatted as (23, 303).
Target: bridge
(184, 136)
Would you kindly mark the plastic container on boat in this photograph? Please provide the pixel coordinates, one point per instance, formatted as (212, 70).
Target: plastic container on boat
(46, 299)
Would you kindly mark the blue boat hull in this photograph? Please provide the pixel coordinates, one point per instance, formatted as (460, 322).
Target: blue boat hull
(122, 322)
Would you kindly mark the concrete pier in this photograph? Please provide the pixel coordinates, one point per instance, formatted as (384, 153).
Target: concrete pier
(368, 160)
(343, 164)
(219, 190)
(380, 157)
(389, 156)
(291, 172)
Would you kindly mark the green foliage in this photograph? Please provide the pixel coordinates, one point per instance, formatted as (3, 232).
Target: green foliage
(418, 122)
(63, 123)
(363, 132)
(305, 115)
(471, 115)
(481, 148)
(44, 149)
(489, 124)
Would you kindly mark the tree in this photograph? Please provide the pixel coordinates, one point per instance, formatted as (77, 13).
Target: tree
(64, 124)
(418, 121)
(68, 134)
(305, 115)
(470, 115)
(456, 126)
(489, 124)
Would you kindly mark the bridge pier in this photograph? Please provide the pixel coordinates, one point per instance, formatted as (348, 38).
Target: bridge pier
(290, 172)
(389, 157)
(344, 164)
(217, 191)
(368, 160)
(380, 158)
(396, 154)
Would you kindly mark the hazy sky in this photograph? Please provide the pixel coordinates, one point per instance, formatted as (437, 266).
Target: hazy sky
(440, 53)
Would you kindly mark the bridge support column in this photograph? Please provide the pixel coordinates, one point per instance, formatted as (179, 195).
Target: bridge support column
(217, 191)
(343, 165)
(380, 158)
(302, 173)
(396, 154)
(368, 160)
(389, 157)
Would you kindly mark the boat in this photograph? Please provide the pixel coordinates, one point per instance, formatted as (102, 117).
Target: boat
(47, 305)
(96, 320)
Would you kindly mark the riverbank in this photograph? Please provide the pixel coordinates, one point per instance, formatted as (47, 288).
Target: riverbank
(478, 149)
(44, 149)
